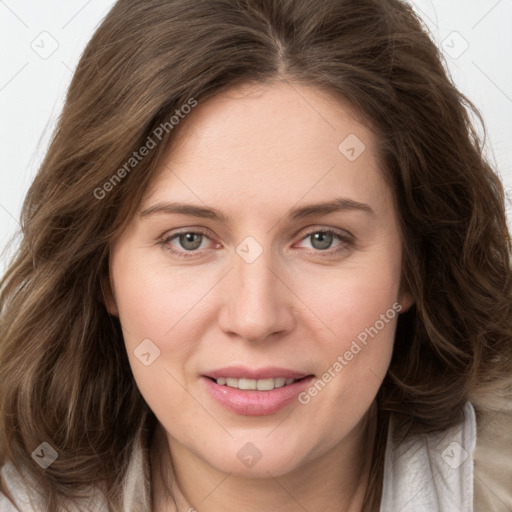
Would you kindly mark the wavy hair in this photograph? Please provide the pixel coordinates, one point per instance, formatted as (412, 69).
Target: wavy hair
(64, 370)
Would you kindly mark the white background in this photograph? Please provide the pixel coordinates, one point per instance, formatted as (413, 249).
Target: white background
(476, 37)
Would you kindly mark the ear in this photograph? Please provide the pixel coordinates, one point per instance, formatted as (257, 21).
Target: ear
(107, 296)
(406, 300)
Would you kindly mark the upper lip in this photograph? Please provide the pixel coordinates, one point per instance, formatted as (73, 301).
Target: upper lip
(255, 373)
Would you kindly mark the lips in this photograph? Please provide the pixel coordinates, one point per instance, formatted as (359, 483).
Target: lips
(255, 392)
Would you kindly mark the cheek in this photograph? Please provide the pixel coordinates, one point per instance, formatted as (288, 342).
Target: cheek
(370, 306)
(152, 301)
(154, 307)
(354, 361)
(355, 297)
(360, 351)
(358, 308)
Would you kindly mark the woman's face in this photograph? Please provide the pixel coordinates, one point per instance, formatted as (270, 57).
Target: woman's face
(267, 286)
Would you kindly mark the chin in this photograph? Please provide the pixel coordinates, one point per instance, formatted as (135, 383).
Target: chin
(247, 461)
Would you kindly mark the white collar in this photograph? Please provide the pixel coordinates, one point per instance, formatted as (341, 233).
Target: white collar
(431, 472)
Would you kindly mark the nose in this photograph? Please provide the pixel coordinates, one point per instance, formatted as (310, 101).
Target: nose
(258, 302)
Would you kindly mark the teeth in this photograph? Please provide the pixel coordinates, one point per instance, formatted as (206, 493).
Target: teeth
(232, 383)
(246, 384)
(253, 384)
(266, 384)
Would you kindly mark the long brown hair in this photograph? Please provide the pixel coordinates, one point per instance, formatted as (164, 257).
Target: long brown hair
(65, 374)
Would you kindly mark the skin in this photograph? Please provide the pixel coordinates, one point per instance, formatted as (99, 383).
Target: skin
(254, 153)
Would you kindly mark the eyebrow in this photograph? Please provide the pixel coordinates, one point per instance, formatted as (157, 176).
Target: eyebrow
(335, 205)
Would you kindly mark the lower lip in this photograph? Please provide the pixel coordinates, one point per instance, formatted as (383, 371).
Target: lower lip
(253, 402)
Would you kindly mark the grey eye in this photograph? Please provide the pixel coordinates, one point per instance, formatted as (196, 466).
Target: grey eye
(190, 241)
(321, 240)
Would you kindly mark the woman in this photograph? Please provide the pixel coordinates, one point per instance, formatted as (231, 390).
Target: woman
(264, 266)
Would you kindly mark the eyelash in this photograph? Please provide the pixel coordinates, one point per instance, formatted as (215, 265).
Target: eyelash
(347, 240)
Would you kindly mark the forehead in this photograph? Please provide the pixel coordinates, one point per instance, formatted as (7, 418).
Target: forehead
(286, 140)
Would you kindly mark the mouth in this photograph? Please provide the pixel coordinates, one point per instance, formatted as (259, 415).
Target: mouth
(251, 392)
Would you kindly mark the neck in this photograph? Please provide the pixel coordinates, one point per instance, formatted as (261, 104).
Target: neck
(335, 482)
